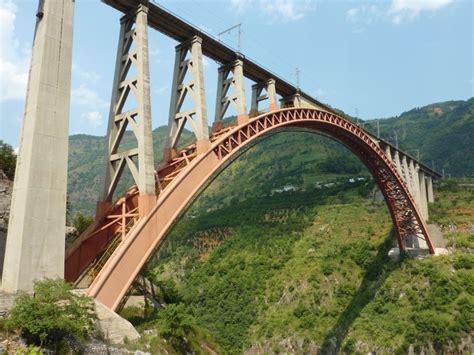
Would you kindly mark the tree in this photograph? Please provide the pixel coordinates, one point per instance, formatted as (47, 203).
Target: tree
(52, 314)
(7, 160)
(175, 325)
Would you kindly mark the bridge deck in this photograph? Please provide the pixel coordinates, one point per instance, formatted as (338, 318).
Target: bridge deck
(175, 27)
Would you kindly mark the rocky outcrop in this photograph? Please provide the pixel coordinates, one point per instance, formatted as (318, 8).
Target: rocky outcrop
(114, 328)
(6, 187)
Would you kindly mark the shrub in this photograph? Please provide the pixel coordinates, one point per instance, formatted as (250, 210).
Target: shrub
(81, 222)
(7, 160)
(52, 314)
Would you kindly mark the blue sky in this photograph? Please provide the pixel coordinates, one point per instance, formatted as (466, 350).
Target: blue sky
(377, 58)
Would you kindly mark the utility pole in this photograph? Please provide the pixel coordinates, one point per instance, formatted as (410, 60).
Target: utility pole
(297, 73)
(227, 31)
(378, 129)
(357, 116)
(396, 139)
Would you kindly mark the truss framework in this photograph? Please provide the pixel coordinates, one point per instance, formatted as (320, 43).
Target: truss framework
(133, 31)
(230, 76)
(194, 89)
(261, 92)
(405, 215)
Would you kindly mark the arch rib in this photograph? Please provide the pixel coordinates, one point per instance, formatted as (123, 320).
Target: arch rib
(123, 266)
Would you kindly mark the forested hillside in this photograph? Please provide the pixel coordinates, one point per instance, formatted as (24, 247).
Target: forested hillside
(87, 167)
(442, 133)
(298, 272)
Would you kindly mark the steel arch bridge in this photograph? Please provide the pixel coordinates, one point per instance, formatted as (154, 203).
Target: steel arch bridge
(108, 256)
(183, 178)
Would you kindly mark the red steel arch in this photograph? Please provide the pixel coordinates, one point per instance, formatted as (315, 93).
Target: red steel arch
(182, 179)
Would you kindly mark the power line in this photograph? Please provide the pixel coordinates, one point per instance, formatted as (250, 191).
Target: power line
(227, 31)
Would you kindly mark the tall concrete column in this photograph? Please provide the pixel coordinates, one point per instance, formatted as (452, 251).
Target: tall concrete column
(188, 60)
(396, 158)
(423, 195)
(36, 230)
(256, 95)
(230, 76)
(406, 173)
(429, 188)
(415, 182)
(134, 29)
(239, 85)
(271, 93)
(388, 153)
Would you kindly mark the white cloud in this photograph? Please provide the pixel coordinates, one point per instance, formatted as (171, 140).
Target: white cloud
(90, 77)
(352, 13)
(397, 11)
(363, 16)
(409, 9)
(277, 10)
(240, 5)
(320, 93)
(93, 118)
(13, 61)
(83, 95)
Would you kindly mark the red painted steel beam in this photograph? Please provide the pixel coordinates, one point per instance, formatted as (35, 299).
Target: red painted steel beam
(121, 269)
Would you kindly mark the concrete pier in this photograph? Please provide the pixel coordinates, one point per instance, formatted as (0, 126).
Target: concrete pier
(188, 60)
(230, 77)
(127, 88)
(423, 195)
(258, 95)
(36, 230)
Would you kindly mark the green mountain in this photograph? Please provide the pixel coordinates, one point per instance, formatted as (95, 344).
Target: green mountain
(441, 133)
(286, 251)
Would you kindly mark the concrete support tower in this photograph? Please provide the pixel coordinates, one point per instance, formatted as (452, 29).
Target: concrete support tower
(258, 95)
(415, 182)
(230, 76)
(429, 189)
(406, 173)
(396, 158)
(188, 63)
(423, 195)
(134, 29)
(36, 231)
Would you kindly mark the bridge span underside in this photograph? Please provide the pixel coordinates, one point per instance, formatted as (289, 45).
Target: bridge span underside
(114, 278)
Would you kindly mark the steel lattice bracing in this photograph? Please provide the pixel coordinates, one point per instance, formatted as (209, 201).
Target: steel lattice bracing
(130, 107)
(186, 178)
